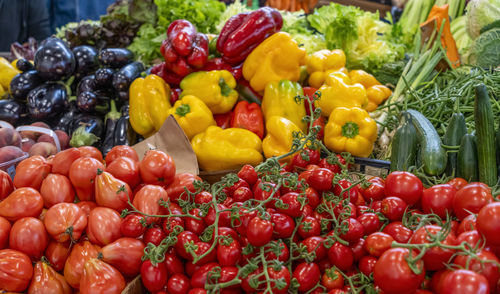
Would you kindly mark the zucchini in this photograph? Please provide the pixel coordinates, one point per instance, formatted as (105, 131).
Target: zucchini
(454, 132)
(404, 145)
(486, 146)
(432, 153)
(467, 159)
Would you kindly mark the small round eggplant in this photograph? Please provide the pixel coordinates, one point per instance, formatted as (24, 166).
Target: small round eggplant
(86, 101)
(24, 65)
(86, 60)
(54, 60)
(23, 83)
(47, 100)
(104, 77)
(126, 75)
(10, 111)
(87, 84)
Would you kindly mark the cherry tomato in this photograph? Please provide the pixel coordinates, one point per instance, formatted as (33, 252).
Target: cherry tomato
(321, 179)
(464, 281)
(200, 276)
(358, 249)
(178, 284)
(153, 277)
(132, 225)
(470, 199)
(377, 243)
(228, 252)
(435, 258)
(292, 204)
(488, 223)
(183, 238)
(376, 189)
(309, 227)
(332, 163)
(352, 194)
(157, 168)
(472, 238)
(393, 208)
(259, 231)
(469, 223)
(438, 199)
(370, 222)
(399, 232)
(485, 263)
(305, 157)
(341, 256)
(154, 235)
(315, 244)
(457, 183)
(173, 264)
(242, 194)
(200, 249)
(404, 185)
(281, 274)
(248, 173)
(367, 264)
(307, 275)
(354, 232)
(332, 279)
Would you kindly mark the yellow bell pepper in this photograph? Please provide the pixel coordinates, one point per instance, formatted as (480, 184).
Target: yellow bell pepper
(279, 138)
(279, 100)
(192, 115)
(215, 88)
(2, 92)
(350, 130)
(375, 92)
(219, 149)
(323, 62)
(149, 104)
(7, 73)
(338, 91)
(278, 58)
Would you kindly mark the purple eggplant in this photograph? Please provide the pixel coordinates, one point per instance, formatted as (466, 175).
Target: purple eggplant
(54, 60)
(47, 100)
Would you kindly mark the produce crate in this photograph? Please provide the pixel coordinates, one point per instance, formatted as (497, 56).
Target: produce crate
(363, 4)
(135, 287)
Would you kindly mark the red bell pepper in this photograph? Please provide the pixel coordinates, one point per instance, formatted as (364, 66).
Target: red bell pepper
(168, 76)
(219, 64)
(309, 93)
(223, 120)
(175, 94)
(245, 31)
(248, 116)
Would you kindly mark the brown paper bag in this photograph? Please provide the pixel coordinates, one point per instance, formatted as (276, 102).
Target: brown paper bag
(172, 140)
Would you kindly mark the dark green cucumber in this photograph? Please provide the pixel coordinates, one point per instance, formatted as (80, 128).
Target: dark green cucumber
(452, 137)
(404, 145)
(432, 153)
(485, 134)
(467, 165)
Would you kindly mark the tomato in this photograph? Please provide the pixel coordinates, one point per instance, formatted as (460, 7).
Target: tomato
(281, 274)
(73, 268)
(307, 275)
(227, 273)
(91, 151)
(121, 151)
(57, 253)
(358, 249)
(292, 205)
(342, 186)
(393, 208)
(309, 227)
(47, 280)
(248, 174)
(472, 238)
(305, 157)
(331, 163)
(438, 199)
(4, 232)
(370, 222)
(284, 225)
(191, 224)
(242, 194)
(125, 255)
(181, 181)
(284, 252)
(354, 232)
(178, 284)
(203, 197)
(173, 264)
(464, 281)
(157, 168)
(485, 264)
(182, 239)
(126, 170)
(103, 225)
(377, 243)
(200, 249)
(259, 231)
(457, 183)
(399, 232)
(169, 224)
(29, 236)
(61, 162)
(404, 185)
(100, 277)
(367, 264)
(56, 189)
(224, 216)
(332, 279)
(16, 270)
(321, 179)
(393, 275)
(315, 244)
(469, 223)
(82, 175)
(341, 256)
(86, 206)
(228, 252)
(23, 202)
(263, 190)
(111, 192)
(6, 185)
(31, 172)
(132, 225)
(154, 235)
(153, 277)
(470, 199)
(200, 276)
(376, 190)
(65, 222)
(488, 223)
(197, 291)
(147, 199)
(435, 258)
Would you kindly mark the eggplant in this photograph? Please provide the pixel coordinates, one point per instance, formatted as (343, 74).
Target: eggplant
(124, 133)
(54, 60)
(86, 60)
(126, 75)
(23, 83)
(87, 84)
(65, 121)
(115, 57)
(110, 124)
(104, 77)
(46, 100)
(10, 111)
(24, 65)
(86, 130)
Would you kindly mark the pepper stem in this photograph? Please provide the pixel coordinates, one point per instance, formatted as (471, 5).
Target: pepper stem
(350, 129)
(183, 110)
(225, 90)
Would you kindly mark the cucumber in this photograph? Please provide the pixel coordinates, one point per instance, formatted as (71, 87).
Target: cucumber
(452, 137)
(486, 145)
(433, 155)
(467, 159)
(404, 145)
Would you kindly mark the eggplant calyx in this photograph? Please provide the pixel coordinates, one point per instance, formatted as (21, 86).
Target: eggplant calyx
(113, 113)
(81, 138)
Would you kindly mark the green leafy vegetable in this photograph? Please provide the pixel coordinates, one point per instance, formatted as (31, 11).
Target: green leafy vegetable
(295, 23)
(480, 13)
(485, 51)
(231, 10)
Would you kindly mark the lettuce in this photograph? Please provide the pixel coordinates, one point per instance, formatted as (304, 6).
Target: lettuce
(295, 23)
(231, 10)
(480, 13)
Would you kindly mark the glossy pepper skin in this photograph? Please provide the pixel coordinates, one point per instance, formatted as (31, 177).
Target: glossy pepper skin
(219, 149)
(338, 91)
(248, 116)
(245, 31)
(279, 100)
(278, 58)
(219, 64)
(375, 92)
(350, 130)
(192, 115)
(279, 138)
(321, 62)
(149, 104)
(215, 88)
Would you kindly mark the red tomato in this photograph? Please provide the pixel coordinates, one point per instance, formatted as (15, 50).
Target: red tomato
(377, 243)
(125, 255)
(6, 185)
(4, 232)
(333, 164)
(488, 223)
(332, 279)
(111, 192)
(307, 275)
(305, 157)
(169, 224)
(284, 225)
(157, 168)
(61, 162)
(470, 199)
(292, 204)
(341, 256)
(147, 199)
(103, 225)
(367, 264)
(181, 182)
(259, 231)
(242, 194)
(354, 232)
(178, 284)
(16, 270)
(457, 183)
(90, 151)
(342, 186)
(154, 235)
(228, 252)
(435, 258)
(125, 169)
(467, 224)
(82, 175)
(376, 190)
(200, 249)
(370, 222)
(56, 189)
(393, 275)
(65, 222)
(132, 225)
(321, 179)
(358, 249)
(200, 276)
(485, 263)
(23, 202)
(399, 232)
(121, 151)
(29, 236)
(464, 282)
(309, 227)
(173, 264)
(438, 199)
(80, 253)
(248, 174)
(404, 185)
(182, 239)
(197, 291)
(100, 277)
(472, 238)
(87, 206)
(47, 280)
(31, 172)
(57, 253)
(393, 208)
(315, 244)
(281, 274)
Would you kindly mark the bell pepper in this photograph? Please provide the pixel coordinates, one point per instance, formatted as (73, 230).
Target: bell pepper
(279, 138)
(219, 149)
(278, 58)
(320, 63)
(149, 104)
(279, 100)
(7, 73)
(350, 130)
(247, 93)
(248, 116)
(338, 91)
(375, 92)
(215, 88)
(192, 115)
(219, 64)
(223, 120)
(243, 32)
